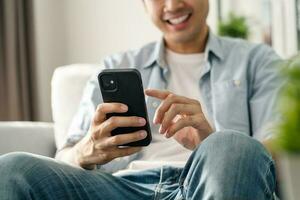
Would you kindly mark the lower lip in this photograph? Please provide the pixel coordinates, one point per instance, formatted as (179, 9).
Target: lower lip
(181, 26)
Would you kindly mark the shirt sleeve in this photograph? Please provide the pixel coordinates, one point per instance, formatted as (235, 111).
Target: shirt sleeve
(81, 121)
(266, 83)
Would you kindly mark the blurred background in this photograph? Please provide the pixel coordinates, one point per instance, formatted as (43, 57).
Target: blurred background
(37, 36)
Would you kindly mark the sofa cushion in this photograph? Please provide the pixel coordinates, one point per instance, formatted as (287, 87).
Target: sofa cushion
(33, 137)
(66, 87)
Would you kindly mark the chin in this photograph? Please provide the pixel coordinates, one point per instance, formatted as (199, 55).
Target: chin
(186, 36)
(180, 38)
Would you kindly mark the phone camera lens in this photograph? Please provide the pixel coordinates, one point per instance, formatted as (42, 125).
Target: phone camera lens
(108, 82)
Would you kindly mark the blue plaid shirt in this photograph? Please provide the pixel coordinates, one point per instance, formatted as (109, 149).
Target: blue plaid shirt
(239, 84)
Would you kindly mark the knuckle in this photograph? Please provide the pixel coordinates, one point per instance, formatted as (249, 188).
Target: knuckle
(105, 124)
(95, 120)
(166, 118)
(98, 132)
(201, 118)
(175, 107)
(105, 157)
(96, 129)
(196, 102)
(98, 146)
(162, 109)
(113, 121)
(105, 143)
(188, 119)
(99, 108)
(170, 98)
(115, 140)
(159, 111)
(94, 136)
(94, 133)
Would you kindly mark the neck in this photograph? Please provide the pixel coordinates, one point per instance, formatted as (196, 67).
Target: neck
(194, 46)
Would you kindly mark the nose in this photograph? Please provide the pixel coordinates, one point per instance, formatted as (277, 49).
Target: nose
(173, 5)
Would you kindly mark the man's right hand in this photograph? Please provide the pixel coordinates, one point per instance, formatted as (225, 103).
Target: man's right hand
(98, 146)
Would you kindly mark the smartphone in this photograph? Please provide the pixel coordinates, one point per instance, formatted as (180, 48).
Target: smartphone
(125, 86)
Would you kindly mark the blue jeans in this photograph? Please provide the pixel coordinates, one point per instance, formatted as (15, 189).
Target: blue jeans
(226, 166)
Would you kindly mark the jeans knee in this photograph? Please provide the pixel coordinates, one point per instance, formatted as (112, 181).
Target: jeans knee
(22, 175)
(18, 165)
(230, 148)
(14, 161)
(234, 145)
(229, 158)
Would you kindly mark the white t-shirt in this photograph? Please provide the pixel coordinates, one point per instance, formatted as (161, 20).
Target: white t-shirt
(185, 72)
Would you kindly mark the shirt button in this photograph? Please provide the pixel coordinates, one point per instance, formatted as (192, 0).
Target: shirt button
(237, 82)
(155, 104)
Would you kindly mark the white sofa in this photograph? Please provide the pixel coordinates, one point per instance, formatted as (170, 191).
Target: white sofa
(44, 138)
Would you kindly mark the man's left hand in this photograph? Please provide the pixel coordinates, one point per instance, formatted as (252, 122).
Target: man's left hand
(181, 118)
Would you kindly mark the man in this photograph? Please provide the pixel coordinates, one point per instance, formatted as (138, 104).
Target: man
(207, 95)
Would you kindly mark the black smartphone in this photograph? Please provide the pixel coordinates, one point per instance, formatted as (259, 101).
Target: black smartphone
(125, 86)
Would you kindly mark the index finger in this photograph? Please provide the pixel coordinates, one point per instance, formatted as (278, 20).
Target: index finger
(160, 94)
(105, 108)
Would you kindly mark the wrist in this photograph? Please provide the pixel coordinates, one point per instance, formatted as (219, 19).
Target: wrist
(76, 154)
(78, 157)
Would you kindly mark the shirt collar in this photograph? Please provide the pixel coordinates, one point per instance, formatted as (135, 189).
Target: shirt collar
(213, 47)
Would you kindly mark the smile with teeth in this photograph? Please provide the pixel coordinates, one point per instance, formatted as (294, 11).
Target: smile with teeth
(178, 20)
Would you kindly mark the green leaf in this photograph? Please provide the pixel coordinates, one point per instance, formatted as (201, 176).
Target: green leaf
(289, 107)
(235, 27)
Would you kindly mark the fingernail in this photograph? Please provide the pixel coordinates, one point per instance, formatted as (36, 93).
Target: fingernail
(154, 121)
(161, 130)
(142, 121)
(143, 134)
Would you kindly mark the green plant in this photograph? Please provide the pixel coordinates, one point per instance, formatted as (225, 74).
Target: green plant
(289, 107)
(235, 26)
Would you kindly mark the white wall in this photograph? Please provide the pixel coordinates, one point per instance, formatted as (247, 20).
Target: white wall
(51, 50)
(84, 31)
(96, 28)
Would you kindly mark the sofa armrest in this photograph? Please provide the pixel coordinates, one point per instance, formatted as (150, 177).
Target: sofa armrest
(67, 85)
(32, 137)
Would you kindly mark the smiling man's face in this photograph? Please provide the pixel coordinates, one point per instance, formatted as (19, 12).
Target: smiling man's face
(181, 21)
